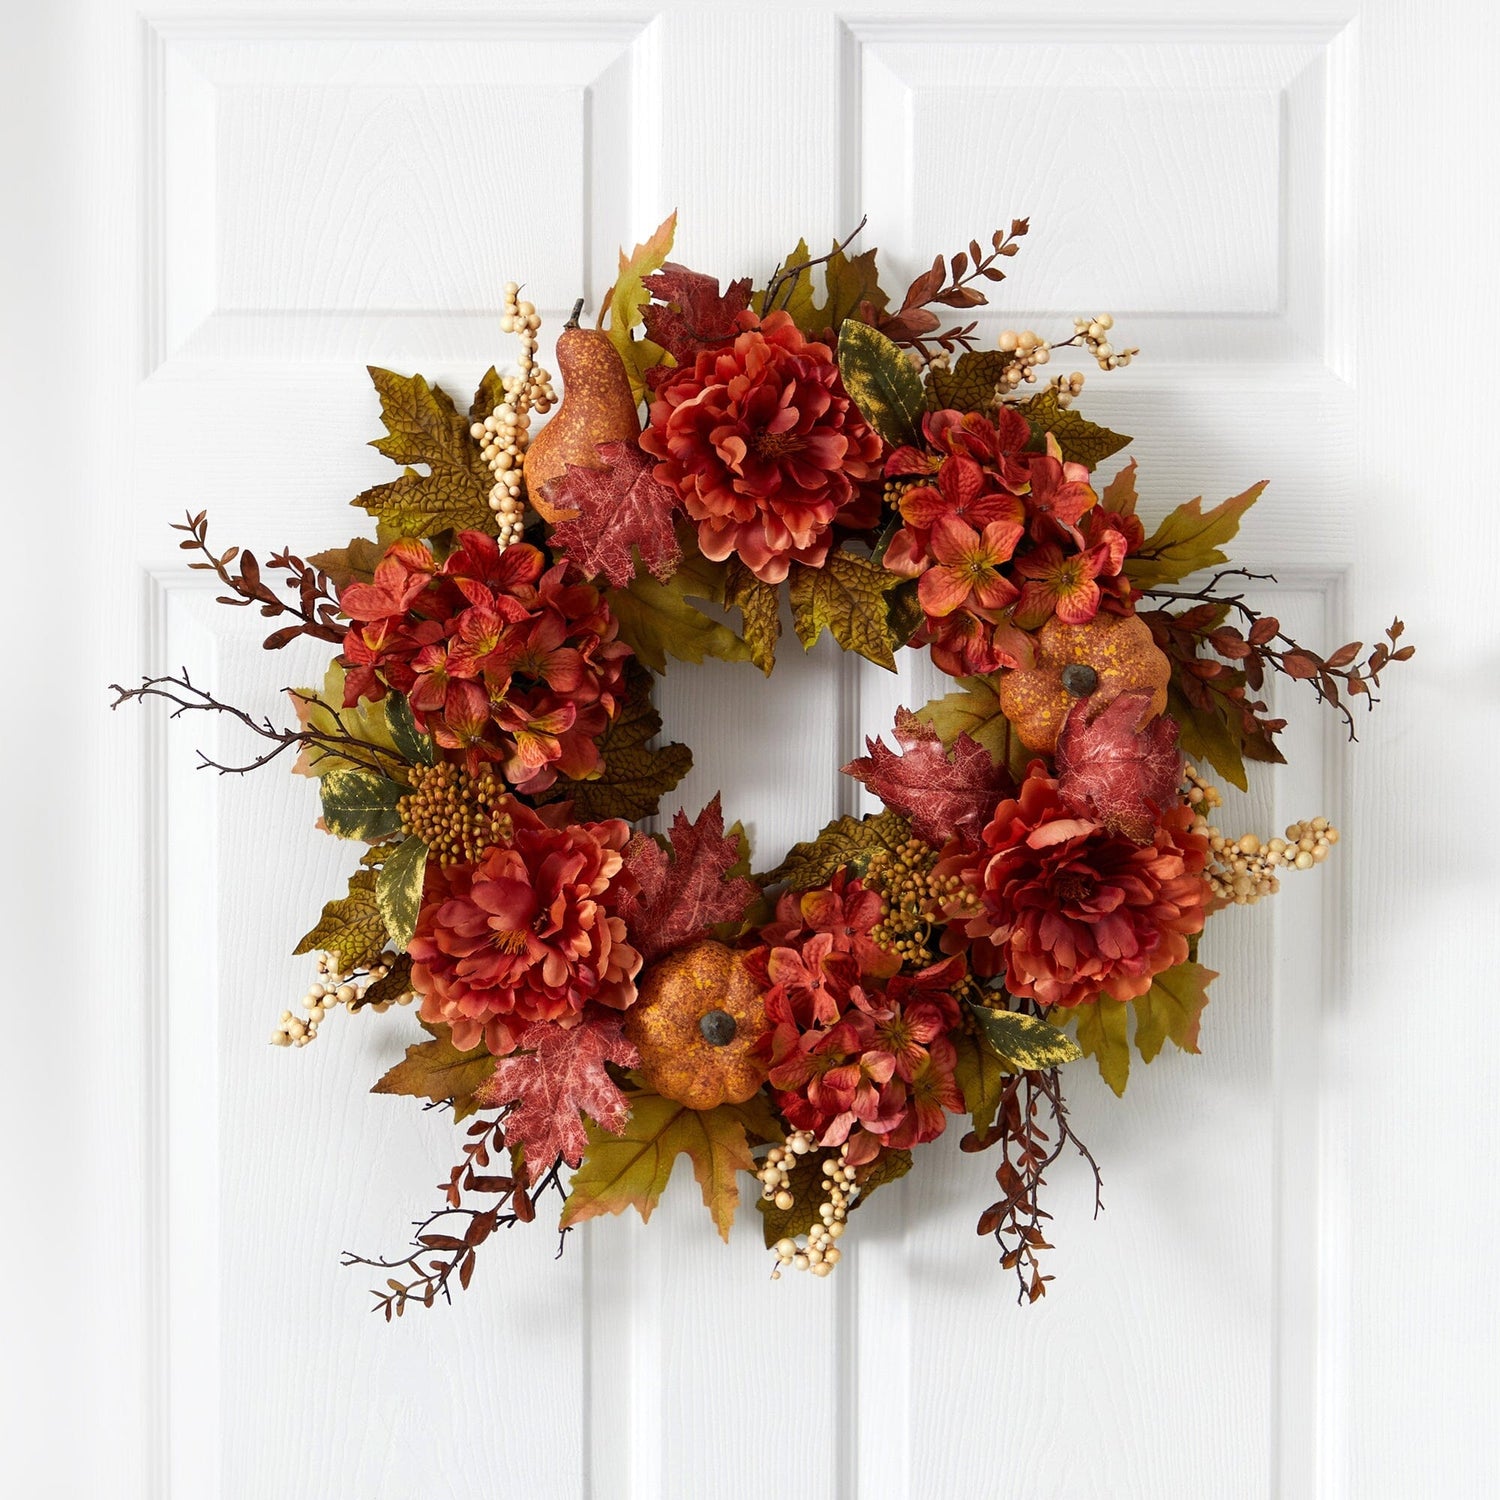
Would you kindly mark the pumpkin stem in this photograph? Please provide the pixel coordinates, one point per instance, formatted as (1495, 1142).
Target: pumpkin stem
(573, 316)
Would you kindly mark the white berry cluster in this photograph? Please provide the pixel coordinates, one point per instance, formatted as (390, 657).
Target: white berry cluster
(1243, 870)
(505, 432)
(331, 988)
(1094, 334)
(819, 1254)
(1030, 353)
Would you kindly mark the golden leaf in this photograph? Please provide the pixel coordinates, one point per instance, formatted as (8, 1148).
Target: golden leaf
(1172, 1009)
(882, 383)
(759, 605)
(975, 711)
(623, 303)
(1189, 540)
(656, 621)
(359, 805)
(398, 889)
(437, 1070)
(845, 841)
(351, 928)
(846, 596)
(980, 1073)
(324, 713)
(631, 1170)
(1101, 1035)
(1023, 1041)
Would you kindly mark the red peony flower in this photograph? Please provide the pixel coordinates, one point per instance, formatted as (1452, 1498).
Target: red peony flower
(763, 445)
(502, 658)
(1068, 911)
(857, 1052)
(528, 934)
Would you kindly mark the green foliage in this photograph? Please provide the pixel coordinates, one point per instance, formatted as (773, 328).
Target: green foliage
(1101, 1035)
(975, 710)
(437, 1070)
(360, 805)
(759, 605)
(351, 928)
(845, 841)
(980, 1072)
(621, 313)
(1189, 540)
(324, 713)
(1170, 1011)
(657, 621)
(970, 384)
(415, 747)
(1023, 1041)
(806, 1188)
(1081, 441)
(882, 383)
(398, 889)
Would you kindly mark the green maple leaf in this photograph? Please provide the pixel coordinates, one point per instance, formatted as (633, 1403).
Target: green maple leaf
(1081, 441)
(351, 928)
(848, 281)
(635, 777)
(1189, 540)
(437, 1070)
(847, 597)
(424, 427)
(1172, 1009)
(1101, 1035)
(657, 621)
(631, 1170)
(975, 711)
(845, 841)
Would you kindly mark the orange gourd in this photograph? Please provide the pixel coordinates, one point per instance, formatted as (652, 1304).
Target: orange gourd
(1098, 660)
(597, 407)
(698, 1015)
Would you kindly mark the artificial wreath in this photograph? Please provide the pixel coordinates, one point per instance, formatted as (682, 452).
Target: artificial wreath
(599, 998)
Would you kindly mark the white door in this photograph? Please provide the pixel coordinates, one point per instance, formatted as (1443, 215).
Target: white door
(219, 214)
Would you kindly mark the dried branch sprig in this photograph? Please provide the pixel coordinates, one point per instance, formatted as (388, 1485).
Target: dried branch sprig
(1031, 1126)
(316, 608)
(187, 697)
(1263, 646)
(783, 282)
(438, 1255)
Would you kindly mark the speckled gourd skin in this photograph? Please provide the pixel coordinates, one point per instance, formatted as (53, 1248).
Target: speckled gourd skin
(596, 407)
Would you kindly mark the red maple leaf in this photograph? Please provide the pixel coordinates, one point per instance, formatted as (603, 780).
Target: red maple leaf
(619, 506)
(558, 1071)
(943, 792)
(681, 898)
(690, 313)
(1120, 775)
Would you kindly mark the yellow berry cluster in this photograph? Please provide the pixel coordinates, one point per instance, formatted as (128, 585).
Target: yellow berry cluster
(909, 898)
(1243, 870)
(504, 434)
(331, 988)
(458, 816)
(816, 1251)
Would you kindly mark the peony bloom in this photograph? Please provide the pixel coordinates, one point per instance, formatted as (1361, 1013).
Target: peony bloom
(1067, 911)
(502, 658)
(857, 1052)
(527, 934)
(764, 446)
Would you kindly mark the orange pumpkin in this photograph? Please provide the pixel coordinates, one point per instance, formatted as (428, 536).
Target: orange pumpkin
(1099, 660)
(597, 407)
(698, 1015)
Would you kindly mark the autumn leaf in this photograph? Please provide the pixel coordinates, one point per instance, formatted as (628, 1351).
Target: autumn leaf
(688, 312)
(1189, 540)
(323, 713)
(1080, 440)
(398, 890)
(437, 1070)
(680, 898)
(846, 596)
(806, 1188)
(351, 928)
(656, 621)
(1101, 1035)
(352, 564)
(759, 605)
(1207, 738)
(1119, 494)
(619, 506)
(845, 841)
(1172, 1009)
(1120, 776)
(625, 301)
(849, 283)
(557, 1073)
(631, 1169)
(882, 383)
(971, 382)
(424, 427)
(1023, 1041)
(974, 710)
(391, 985)
(941, 791)
(980, 1073)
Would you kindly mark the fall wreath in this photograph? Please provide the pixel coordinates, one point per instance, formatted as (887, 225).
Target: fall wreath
(599, 999)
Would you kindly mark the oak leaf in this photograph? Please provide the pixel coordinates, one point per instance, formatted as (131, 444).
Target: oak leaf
(424, 427)
(631, 1169)
(940, 791)
(974, 710)
(437, 1070)
(844, 842)
(1189, 540)
(557, 1073)
(625, 302)
(846, 596)
(1108, 770)
(616, 507)
(680, 898)
(688, 312)
(351, 928)
(1080, 440)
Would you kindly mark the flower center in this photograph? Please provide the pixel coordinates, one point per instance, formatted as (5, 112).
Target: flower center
(1071, 886)
(508, 941)
(774, 445)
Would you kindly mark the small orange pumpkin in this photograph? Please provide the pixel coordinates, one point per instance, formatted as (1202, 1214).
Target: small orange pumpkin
(697, 1017)
(1100, 659)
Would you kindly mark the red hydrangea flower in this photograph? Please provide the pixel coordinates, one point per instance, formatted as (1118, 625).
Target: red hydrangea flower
(528, 934)
(1067, 910)
(857, 1051)
(764, 446)
(503, 658)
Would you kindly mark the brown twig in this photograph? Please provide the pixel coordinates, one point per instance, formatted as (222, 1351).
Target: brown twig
(789, 275)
